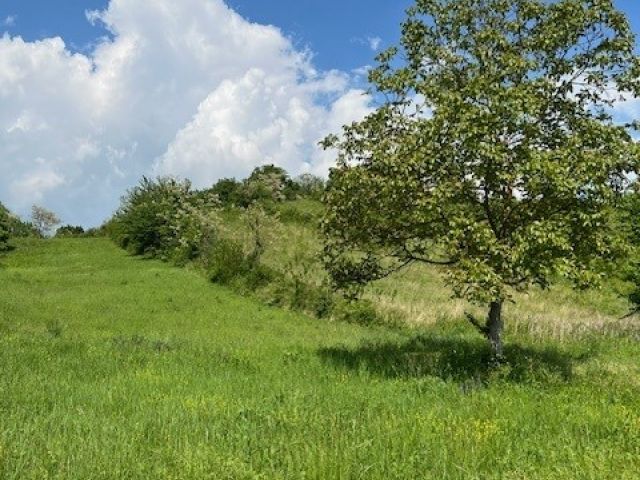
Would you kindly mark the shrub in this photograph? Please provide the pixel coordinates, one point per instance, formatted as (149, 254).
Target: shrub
(228, 264)
(164, 218)
(70, 231)
(226, 261)
(361, 312)
(228, 191)
(4, 232)
(310, 186)
(12, 227)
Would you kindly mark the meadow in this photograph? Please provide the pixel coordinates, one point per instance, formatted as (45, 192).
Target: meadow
(116, 366)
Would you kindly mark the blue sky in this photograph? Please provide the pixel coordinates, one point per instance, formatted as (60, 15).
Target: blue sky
(339, 33)
(335, 30)
(200, 89)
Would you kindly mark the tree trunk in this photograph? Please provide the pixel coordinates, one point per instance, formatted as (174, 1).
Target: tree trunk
(494, 329)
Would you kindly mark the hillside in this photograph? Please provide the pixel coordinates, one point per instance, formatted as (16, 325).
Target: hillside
(118, 367)
(419, 295)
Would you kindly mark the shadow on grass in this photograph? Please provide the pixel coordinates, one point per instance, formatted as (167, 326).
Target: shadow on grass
(455, 359)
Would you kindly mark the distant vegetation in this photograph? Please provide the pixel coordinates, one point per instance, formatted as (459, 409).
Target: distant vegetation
(70, 231)
(11, 226)
(273, 249)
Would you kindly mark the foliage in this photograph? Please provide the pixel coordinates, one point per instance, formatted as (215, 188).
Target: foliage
(70, 231)
(228, 191)
(493, 153)
(235, 257)
(310, 186)
(267, 184)
(362, 312)
(4, 230)
(12, 227)
(43, 220)
(629, 214)
(165, 218)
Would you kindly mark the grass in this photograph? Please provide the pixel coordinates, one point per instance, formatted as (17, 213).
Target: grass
(420, 296)
(117, 367)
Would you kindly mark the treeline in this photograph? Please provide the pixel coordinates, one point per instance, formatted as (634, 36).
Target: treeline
(266, 184)
(42, 224)
(11, 226)
(225, 232)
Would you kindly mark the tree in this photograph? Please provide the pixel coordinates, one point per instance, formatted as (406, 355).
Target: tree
(4, 230)
(43, 220)
(492, 153)
(269, 183)
(228, 191)
(310, 186)
(70, 231)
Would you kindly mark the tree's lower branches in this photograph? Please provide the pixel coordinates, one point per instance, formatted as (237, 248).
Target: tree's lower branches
(479, 326)
(433, 262)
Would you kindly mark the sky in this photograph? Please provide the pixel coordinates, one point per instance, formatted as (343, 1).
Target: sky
(96, 93)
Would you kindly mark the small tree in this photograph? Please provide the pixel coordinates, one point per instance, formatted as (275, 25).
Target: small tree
(43, 220)
(310, 186)
(228, 191)
(492, 153)
(4, 230)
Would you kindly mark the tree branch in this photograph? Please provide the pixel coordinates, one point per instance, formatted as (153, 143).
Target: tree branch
(479, 326)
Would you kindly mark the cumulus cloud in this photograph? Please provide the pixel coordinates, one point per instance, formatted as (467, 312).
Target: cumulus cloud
(185, 88)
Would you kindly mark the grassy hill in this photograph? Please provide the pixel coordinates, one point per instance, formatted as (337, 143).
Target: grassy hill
(419, 295)
(118, 367)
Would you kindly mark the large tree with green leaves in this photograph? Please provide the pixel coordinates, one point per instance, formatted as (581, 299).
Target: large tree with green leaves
(493, 151)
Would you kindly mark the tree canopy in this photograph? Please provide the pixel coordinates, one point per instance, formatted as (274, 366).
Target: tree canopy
(493, 152)
(43, 220)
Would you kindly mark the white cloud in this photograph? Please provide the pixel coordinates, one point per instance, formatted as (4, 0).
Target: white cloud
(9, 21)
(353, 105)
(374, 43)
(187, 88)
(37, 182)
(627, 108)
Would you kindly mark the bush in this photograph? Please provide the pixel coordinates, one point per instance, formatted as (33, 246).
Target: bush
(226, 261)
(227, 264)
(164, 218)
(14, 226)
(310, 186)
(70, 231)
(4, 232)
(361, 312)
(228, 191)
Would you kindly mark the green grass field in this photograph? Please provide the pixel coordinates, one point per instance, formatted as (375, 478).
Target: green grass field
(118, 367)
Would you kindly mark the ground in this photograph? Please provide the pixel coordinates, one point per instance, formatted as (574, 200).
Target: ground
(118, 367)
